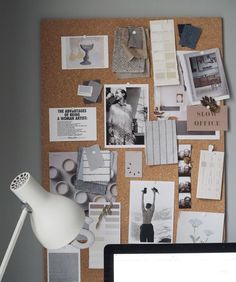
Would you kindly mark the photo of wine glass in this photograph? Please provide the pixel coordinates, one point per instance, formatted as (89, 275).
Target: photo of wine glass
(86, 48)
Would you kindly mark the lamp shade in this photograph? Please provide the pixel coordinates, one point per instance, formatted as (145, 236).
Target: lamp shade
(56, 220)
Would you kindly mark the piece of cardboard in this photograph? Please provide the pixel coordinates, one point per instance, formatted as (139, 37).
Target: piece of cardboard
(199, 118)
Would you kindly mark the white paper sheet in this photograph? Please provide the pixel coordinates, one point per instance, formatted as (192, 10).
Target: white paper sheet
(210, 174)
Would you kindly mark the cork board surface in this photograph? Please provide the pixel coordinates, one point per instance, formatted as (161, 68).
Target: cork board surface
(59, 88)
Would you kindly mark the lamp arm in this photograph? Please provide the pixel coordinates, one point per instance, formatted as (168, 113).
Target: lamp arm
(13, 241)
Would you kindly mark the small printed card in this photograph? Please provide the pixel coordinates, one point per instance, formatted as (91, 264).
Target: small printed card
(85, 90)
(210, 173)
(133, 164)
(200, 118)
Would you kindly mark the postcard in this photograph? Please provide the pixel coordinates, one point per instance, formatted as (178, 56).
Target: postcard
(172, 102)
(210, 175)
(151, 211)
(206, 75)
(72, 124)
(200, 227)
(106, 229)
(84, 52)
(201, 118)
(125, 112)
(164, 52)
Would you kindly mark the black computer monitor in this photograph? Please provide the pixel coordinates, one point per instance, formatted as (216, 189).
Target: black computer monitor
(207, 262)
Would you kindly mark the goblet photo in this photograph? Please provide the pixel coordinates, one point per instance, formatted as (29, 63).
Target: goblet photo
(86, 48)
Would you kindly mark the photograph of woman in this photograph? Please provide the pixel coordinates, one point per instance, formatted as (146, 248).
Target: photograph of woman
(125, 113)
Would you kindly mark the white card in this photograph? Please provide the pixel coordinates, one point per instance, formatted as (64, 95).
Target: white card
(133, 164)
(210, 175)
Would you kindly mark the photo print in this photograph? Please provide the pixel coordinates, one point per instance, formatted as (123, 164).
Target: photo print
(171, 101)
(84, 52)
(151, 212)
(206, 75)
(125, 112)
(200, 227)
(72, 175)
(184, 172)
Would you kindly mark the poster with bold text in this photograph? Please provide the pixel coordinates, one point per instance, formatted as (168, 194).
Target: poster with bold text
(72, 124)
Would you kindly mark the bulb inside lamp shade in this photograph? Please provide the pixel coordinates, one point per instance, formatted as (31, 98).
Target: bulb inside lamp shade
(55, 219)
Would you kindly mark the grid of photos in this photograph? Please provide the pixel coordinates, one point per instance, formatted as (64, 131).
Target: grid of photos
(125, 113)
(184, 172)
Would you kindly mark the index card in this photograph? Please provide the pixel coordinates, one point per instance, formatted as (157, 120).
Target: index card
(210, 173)
(133, 164)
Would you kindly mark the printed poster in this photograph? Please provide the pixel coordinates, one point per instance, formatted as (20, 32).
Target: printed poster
(72, 124)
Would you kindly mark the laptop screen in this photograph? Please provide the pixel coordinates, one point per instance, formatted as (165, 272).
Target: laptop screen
(172, 262)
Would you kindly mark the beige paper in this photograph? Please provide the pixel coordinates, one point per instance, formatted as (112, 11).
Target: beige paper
(200, 118)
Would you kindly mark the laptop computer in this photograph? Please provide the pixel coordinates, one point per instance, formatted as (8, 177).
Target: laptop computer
(214, 262)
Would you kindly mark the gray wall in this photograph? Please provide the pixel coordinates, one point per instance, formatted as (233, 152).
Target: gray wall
(20, 101)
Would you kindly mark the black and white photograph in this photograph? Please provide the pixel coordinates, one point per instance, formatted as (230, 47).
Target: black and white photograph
(84, 52)
(184, 184)
(184, 160)
(206, 75)
(151, 212)
(126, 108)
(185, 201)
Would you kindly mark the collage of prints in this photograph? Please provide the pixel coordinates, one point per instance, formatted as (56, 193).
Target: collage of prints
(189, 88)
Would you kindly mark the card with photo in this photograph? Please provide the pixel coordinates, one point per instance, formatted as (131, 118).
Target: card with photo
(84, 52)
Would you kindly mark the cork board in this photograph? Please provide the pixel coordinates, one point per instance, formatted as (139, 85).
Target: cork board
(59, 87)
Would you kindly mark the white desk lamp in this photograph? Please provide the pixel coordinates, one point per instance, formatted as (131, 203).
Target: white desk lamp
(56, 220)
